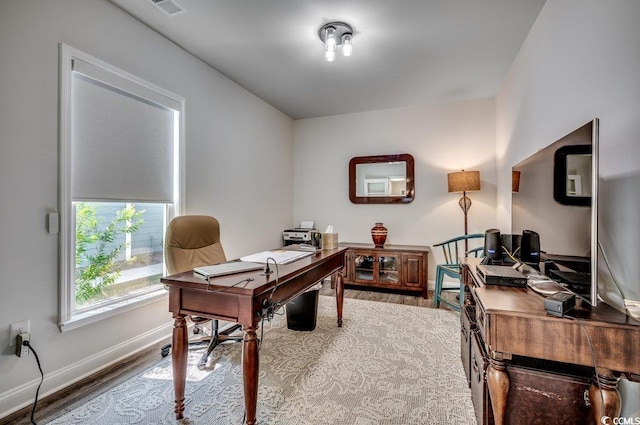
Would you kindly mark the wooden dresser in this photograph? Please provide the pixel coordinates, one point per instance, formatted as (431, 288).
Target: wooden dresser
(525, 366)
(399, 267)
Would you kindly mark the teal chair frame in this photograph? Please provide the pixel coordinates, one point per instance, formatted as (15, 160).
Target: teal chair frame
(453, 250)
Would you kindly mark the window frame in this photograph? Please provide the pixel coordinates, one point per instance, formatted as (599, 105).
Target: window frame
(68, 318)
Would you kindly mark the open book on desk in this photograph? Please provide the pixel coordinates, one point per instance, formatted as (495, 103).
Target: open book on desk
(280, 256)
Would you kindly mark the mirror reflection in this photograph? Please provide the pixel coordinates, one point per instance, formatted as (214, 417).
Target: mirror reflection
(578, 175)
(381, 179)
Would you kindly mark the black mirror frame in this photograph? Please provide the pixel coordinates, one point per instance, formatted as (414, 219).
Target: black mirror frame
(560, 175)
(407, 158)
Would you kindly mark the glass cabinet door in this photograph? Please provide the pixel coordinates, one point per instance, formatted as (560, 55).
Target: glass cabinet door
(389, 267)
(364, 267)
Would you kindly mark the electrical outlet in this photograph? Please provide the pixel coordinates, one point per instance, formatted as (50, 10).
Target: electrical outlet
(21, 349)
(17, 328)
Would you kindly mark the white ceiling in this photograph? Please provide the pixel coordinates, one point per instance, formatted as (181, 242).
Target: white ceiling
(405, 52)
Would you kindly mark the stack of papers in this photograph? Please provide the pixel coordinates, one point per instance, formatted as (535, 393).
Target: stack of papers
(280, 256)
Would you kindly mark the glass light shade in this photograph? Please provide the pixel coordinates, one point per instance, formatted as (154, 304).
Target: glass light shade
(329, 55)
(347, 47)
(330, 39)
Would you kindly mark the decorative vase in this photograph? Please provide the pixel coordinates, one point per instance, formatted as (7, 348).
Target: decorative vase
(379, 235)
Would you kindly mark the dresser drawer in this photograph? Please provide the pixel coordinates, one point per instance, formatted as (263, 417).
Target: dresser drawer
(466, 328)
(479, 389)
(481, 319)
(541, 397)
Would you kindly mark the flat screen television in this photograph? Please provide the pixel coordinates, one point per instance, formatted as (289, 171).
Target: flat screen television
(555, 193)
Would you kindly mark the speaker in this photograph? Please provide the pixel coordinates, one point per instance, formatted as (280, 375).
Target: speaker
(493, 245)
(530, 247)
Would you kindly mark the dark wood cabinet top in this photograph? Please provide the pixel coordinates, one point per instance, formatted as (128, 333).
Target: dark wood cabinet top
(399, 248)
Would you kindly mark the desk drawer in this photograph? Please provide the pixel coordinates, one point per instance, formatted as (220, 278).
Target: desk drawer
(467, 326)
(198, 303)
(479, 389)
(540, 397)
(481, 320)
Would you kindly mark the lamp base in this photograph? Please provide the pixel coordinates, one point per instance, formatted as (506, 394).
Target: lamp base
(465, 203)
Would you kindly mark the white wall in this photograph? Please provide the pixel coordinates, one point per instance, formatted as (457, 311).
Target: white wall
(580, 61)
(441, 139)
(239, 168)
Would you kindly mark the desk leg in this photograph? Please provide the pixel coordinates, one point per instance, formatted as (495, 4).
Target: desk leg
(250, 368)
(179, 347)
(610, 396)
(339, 295)
(498, 383)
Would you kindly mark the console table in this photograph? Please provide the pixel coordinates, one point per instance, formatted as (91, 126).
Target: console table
(399, 267)
(512, 329)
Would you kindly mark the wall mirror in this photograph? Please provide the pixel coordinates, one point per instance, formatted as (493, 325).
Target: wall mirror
(381, 179)
(572, 168)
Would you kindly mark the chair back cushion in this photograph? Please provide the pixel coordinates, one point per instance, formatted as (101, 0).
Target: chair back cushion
(192, 241)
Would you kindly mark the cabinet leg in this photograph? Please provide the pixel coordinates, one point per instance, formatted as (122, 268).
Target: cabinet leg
(339, 296)
(498, 383)
(604, 397)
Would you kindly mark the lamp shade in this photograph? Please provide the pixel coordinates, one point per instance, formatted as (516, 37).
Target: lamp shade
(515, 181)
(464, 181)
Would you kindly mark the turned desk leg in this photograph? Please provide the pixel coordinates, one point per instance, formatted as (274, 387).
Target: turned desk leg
(250, 368)
(339, 296)
(179, 346)
(498, 383)
(605, 398)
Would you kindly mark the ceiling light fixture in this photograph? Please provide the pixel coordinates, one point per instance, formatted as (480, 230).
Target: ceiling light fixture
(335, 34)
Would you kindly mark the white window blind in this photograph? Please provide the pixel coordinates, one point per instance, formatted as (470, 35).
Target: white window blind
(122, 138)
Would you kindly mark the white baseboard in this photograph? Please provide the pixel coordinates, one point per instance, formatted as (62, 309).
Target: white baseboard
(23, 396)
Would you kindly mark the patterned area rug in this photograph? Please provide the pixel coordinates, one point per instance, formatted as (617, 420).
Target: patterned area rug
(389, 364)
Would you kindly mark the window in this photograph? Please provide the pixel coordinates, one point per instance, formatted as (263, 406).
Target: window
(120, 178)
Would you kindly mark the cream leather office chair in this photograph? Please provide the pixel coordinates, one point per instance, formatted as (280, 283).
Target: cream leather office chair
(192, 241)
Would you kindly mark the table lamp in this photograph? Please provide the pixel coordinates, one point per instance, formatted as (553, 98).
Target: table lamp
(464, 181)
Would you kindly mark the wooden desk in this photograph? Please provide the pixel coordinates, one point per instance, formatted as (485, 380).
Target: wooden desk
(243, 304)
(513, 322)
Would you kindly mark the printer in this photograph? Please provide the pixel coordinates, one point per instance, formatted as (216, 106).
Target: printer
(305, 233)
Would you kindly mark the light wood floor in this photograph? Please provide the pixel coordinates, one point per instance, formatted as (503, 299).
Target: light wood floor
(58, 404)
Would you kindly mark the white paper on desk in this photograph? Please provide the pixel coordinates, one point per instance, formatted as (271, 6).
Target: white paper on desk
(280, 256)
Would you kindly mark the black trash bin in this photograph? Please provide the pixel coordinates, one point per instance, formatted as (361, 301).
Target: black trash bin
(302, 312)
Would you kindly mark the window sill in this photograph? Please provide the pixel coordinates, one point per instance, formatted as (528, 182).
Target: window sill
(100, 313)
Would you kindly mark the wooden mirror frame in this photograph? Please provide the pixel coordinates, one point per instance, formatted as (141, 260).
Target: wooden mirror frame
(409, 195)
(560, 175)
